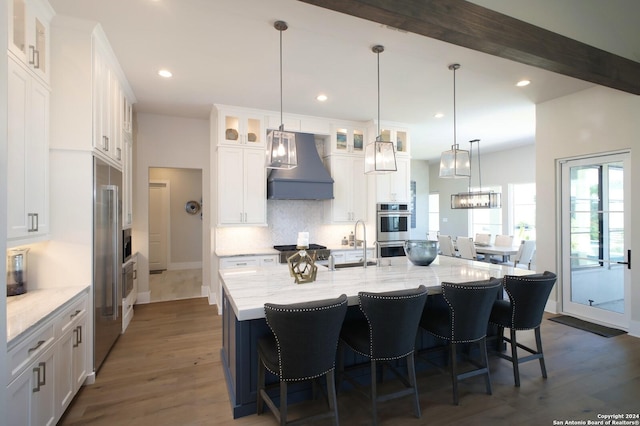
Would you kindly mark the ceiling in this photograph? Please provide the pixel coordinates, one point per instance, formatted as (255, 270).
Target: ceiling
(227, 52)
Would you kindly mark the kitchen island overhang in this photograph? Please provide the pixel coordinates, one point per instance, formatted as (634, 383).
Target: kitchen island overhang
(246, 290)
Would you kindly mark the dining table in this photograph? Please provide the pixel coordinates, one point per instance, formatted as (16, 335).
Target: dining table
(490, 249)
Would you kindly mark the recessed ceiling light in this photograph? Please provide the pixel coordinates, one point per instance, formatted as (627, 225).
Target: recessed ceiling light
(523, 83)
(165, 73)
(439, 115)
(321, 97)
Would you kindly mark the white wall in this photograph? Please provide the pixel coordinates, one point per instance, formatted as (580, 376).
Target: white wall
(173, 142)
(3, 202)
(596, 120)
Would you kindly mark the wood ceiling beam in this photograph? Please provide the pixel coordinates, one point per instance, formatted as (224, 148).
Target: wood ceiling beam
(468, 25)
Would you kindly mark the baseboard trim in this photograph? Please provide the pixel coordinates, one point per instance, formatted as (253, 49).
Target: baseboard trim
(143, 297)
(634, 328)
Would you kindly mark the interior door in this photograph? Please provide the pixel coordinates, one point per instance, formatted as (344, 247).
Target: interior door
(158, 225)
(595, 251)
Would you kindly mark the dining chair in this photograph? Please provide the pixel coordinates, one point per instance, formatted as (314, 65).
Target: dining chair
(302, 347)
(503, 241)
(386, 332)
(484, 239)
(461, 319)
(446, 245)
(525, 254)
(466, 249)
(528, 296)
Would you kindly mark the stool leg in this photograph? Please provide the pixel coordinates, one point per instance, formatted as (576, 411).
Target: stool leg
(374, 393)
(411, 366)
(331, 394)
(485, 362)
(283, 403)
(539, 348)
(454, 373)
(514, 357)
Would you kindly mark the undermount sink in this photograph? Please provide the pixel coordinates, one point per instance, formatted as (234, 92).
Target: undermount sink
(352, 265)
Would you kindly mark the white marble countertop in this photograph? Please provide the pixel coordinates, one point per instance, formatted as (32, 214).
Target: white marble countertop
(29, 310)
(248, 289)
(246, 252)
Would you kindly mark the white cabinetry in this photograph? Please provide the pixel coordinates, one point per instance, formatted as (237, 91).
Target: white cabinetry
(108, 104)
(248, 261)
(29, 27)
(48, 366)
(28, 156)
(349, 188)
(398, 135)
(395, 186)
(240, 127)
(346, 139)
(351, 255)
(127, 177)
(242, 186)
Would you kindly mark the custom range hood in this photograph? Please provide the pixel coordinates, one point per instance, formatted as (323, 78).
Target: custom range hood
(309, 181)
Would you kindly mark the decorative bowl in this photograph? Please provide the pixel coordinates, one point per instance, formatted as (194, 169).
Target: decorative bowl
(231, 135)
(421, 252)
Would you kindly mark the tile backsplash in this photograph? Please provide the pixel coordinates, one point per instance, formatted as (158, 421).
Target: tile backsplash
(286, 218)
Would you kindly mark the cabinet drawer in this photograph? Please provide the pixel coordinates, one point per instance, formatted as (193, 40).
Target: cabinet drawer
(23, 354)
(71, 314)
(239, 262)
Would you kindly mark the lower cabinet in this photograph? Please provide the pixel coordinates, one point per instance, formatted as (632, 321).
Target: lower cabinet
(50, 366)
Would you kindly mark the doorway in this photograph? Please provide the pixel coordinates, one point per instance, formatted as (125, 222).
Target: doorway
(596, 279)
(175, 233)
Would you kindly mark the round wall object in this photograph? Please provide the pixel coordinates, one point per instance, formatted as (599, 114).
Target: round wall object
(192, 207)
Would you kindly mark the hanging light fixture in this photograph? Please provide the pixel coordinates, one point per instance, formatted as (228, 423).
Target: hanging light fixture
(479, 199)
(455, 163)
(379, 155)
(281, 145)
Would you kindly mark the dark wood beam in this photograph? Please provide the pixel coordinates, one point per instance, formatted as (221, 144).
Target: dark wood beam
(469, 25)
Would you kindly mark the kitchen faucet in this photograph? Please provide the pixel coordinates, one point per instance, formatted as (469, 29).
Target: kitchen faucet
(364, 240)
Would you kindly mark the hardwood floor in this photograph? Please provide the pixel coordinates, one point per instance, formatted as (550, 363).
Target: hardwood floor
(166, 370)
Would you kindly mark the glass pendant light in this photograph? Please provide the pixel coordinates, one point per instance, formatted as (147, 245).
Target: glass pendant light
(478, 199)
(281, 145)
(379, 155)
(455, 163)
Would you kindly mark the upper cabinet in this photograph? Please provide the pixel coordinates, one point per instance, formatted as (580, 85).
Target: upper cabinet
(346, 140)
(395, 186)
(28, 156)
(29, 38)
(393, 132)
(349, 189)
(240, 127)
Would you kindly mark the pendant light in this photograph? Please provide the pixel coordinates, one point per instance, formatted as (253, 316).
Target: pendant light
(479, 199)
(379, 155)
(281, 145)
(455, 163)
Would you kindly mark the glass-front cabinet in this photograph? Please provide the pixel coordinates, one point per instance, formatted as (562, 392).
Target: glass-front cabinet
(29, 34)
(399, 137)
(346, 140)
(241, 128)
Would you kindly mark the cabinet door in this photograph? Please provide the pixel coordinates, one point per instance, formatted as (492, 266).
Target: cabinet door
(79, 359)
(28, 155)
(71, 365)
(349, 188)
(230, 185)
(394, 186)
(30, 397)
(29, 34)
(255, 187)
(127, 177)
(241, 128)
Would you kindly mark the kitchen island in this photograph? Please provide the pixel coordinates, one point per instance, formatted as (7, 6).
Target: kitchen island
(246, 290)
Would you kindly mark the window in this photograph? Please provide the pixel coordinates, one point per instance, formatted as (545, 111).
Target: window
(523, 211)
(485, 221)
(434, 217)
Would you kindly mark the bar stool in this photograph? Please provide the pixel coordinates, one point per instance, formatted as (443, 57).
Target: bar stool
(464, 319)
(528, 296)
(303, 347)
(387, 333)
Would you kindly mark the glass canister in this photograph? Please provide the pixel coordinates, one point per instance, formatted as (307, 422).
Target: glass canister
(17, 271)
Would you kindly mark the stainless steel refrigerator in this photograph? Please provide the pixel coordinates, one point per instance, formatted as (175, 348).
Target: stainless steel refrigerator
(107, 258)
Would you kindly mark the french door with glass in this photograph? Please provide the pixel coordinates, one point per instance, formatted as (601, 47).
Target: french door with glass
(595, 252)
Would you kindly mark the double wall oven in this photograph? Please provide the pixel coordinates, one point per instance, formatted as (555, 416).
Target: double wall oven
(392, 228)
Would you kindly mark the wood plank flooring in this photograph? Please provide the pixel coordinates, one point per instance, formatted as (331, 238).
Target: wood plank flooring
(166, 370)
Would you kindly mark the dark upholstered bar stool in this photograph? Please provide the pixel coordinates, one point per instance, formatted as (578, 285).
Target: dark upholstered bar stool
(464, 319)
(387, 333)
(523, 311)
(303, 347)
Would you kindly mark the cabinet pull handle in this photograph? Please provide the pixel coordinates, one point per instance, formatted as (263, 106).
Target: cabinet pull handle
(105, 143)
(37, 225)
(36, 58)
(35, 348)
(79, 334)
(241, 264)
(32, 50)
(44, 374)
(37, 371)
(73, 315)
(75, 337)
(135, 274)
(119, 153)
